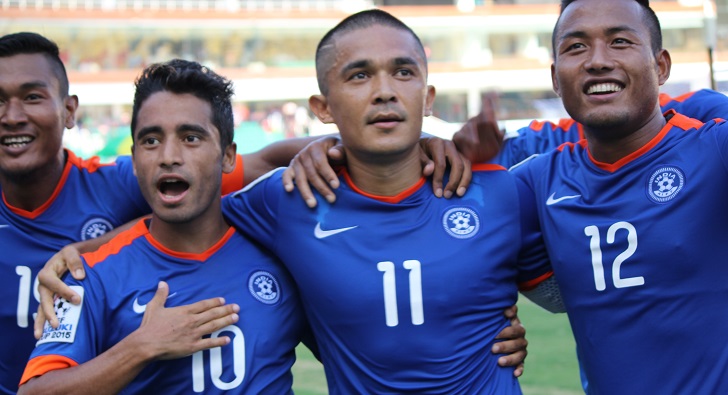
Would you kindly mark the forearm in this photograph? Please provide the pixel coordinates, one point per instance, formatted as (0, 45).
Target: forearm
(108, 373)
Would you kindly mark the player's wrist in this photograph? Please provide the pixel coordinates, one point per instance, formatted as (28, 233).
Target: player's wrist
(139, 349)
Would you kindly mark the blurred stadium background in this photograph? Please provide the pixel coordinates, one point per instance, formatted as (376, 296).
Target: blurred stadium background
(267, 48)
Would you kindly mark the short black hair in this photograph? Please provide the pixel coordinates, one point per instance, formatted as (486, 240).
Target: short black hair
(184, 76)
(360, 20)
(649, 17)
(29, 43)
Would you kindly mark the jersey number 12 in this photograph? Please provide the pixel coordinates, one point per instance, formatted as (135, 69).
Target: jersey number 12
(596, 253)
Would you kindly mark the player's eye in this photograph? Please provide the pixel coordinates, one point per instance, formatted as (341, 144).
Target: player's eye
(150, 141)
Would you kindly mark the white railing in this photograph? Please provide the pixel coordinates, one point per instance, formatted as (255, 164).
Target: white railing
(181, 5)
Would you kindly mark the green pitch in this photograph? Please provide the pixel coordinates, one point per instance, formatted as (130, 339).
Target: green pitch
(551, 367)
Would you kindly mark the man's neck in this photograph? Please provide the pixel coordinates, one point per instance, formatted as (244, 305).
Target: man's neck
(31, 190)
(608, 146)
(385, 178)
(193, 237)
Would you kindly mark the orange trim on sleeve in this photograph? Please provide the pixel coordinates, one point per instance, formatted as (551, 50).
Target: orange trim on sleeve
(665, 99)
(487, 167)
(571, 144)
(115, 245)
(91, 165)
(683, 122)
(565, 123)
(39, 366)
(529, 285)
(386, 199)
(234, 181)
(537, 126)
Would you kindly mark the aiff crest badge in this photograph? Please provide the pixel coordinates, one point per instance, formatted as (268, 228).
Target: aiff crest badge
(94, 228)
(264, 287)
(665, 183)
(461, 222)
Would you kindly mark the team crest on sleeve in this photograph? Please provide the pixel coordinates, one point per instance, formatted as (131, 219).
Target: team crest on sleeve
(264, 287)
(665, 183)
(461, 222)
(68, 316)
(94, 228)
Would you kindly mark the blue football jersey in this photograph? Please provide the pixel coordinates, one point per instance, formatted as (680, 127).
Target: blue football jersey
(703, 105)
(639, 251)
(538, 137)
(404, 294)
(123, 277)
(90, 199)
(543, 136)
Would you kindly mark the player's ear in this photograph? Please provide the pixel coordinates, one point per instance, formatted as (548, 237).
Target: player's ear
(664, 64)
(228, 158)
(133, 162)
(554, 81)
(429, 100)
(320, 106)
(70, 105)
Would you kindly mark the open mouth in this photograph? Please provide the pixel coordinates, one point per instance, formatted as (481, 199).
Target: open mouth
(16, 141)
(604, 88)
(173, 188)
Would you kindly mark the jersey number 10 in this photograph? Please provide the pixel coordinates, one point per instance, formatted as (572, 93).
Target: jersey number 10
(216, 364)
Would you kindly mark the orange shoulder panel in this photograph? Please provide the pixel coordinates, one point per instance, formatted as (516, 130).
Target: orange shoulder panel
(538, 125)
(683, 122)
(115, 245)
(565, 123)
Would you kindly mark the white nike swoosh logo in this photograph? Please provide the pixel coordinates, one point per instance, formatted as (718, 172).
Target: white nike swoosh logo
(321, 234)
(141, 308)
(551, 199)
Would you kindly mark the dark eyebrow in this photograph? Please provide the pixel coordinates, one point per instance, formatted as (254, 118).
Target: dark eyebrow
(619, 29)
(362, 64)
(357, 64)
(143, 132)
(185, 127)
(33, 85)
(405, 61)
(609, 32)
(30, 85)
(572, 34)
(189, 127)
